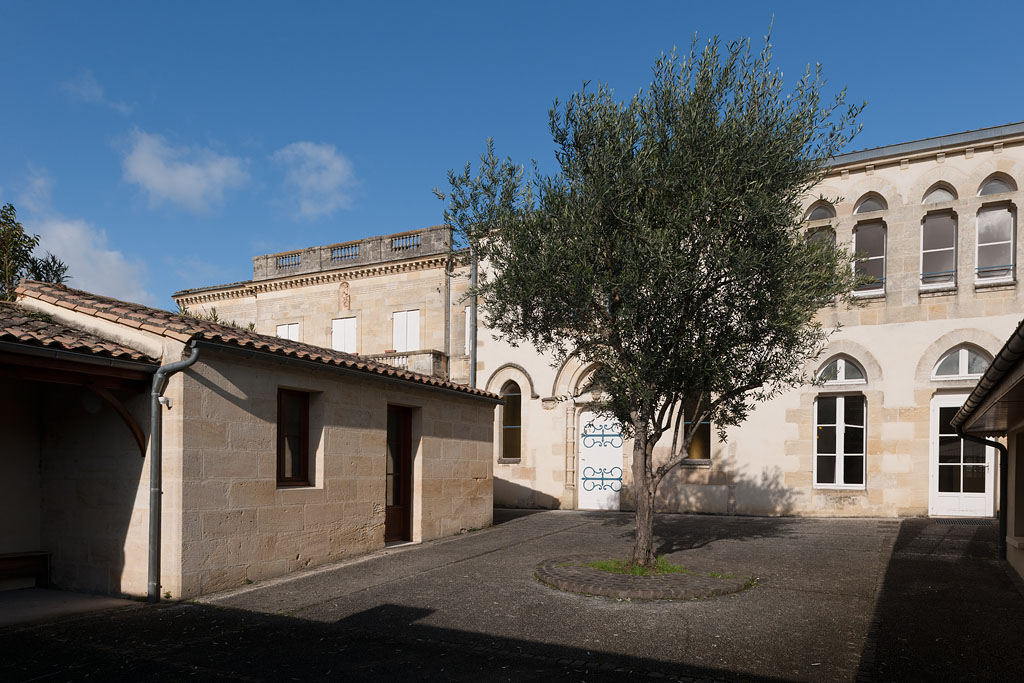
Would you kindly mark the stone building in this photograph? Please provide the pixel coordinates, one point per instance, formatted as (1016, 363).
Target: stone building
(277, 455)
(934, 221)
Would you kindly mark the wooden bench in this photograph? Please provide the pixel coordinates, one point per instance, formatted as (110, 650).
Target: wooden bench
(19, 565)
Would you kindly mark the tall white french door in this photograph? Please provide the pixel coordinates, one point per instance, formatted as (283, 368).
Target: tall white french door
(599, 478)
(961, 473)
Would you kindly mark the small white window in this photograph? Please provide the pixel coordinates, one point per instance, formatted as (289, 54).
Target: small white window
(406, 330)
(343, 335)
(469, 326)
(842, 371)
(840, 423)
(869, 247)
(288, 331)
(995, 243)
(962, 362)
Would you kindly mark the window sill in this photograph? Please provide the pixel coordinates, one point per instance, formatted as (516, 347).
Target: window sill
(840, 489)
(1016, 542)
(869, 295)
(510, 461)
(1006, 283)
(936, 290)
(305, 486)
(696, 464)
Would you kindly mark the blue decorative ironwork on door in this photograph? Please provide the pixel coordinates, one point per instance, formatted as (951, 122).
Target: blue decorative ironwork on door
(597, 434)
(602, 478)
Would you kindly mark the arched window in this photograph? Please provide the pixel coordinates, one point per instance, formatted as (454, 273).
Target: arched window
(869, 247)
(997, 184)
(962, 362)
(820, 211)
(842, 370)
(938, 193)
(871, 202)
(995, 242)
(511, 421)
(938, 249)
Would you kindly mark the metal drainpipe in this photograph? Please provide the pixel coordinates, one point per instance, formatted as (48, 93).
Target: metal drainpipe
(447, 321)
(1003, 483)
(472, 321)
(156, 466)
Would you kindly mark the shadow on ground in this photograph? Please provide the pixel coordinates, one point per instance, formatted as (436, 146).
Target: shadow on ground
(201, 642)
(948, 609)
(675, 532)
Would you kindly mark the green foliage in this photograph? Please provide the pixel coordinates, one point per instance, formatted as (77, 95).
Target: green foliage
(16, 259)
(668, 251)
(213, 317)
(661, 566)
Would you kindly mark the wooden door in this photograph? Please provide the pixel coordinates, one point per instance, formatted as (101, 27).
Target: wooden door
(398, 503)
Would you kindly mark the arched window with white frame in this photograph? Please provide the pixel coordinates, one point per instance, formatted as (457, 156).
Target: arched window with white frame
(939, 193)
(820, 211)
(962, 362)
(996, 242)
(870, 203)
(842, 370)
(997, 183)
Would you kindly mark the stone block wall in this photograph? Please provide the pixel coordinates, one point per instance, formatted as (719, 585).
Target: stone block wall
(238, 525)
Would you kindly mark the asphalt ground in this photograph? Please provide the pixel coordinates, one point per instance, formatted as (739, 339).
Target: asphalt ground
(835, 600)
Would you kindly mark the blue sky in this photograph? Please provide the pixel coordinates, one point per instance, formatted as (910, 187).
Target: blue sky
(156, 147)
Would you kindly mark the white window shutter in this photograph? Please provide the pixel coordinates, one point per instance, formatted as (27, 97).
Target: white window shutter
(399, 331)
(412, 340)
(350, 335)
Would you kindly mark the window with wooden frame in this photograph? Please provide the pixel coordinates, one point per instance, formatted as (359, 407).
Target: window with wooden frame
(511, 421)
(292, 438)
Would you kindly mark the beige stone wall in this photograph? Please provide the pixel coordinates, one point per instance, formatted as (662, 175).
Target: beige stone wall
(766, 465)
(238, 525)
(372, 296)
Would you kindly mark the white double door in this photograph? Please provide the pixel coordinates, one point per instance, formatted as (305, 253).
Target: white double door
(599, 474)
(961, 473)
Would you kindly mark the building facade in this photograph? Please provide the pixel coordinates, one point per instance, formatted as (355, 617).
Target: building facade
(276, 455)
(934, 221)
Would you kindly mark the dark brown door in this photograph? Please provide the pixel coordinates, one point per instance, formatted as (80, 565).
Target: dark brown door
(398, 506)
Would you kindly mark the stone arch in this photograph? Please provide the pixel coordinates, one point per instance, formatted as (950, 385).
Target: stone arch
(967, 336)
(871, 185)
(999, 164)
(870, 196)
(1005, 178)
(940, 185)
(513, 372)
(844, 347)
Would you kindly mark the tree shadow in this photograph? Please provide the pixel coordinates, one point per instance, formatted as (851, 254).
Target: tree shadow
(385, 643)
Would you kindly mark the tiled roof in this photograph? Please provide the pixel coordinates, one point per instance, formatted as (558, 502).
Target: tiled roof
(22, 326)
(183, 328)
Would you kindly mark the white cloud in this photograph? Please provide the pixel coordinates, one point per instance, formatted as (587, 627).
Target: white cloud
(92, 264)
(85, 88)
(319, 176)
(195, 178)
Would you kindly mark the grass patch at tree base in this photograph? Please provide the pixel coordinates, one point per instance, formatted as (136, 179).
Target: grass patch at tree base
(661, 566)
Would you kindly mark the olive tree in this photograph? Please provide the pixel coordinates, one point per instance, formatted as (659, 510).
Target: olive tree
(667, 250)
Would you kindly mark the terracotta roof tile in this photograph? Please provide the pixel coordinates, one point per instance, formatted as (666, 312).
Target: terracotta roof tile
(184, 328)
(20, 325)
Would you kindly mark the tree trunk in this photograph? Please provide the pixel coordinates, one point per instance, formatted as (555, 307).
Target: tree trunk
(643, 546)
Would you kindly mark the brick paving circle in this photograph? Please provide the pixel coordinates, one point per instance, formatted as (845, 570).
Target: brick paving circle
(571, 574)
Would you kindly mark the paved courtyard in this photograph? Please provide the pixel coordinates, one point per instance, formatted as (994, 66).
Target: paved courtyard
(836, 600)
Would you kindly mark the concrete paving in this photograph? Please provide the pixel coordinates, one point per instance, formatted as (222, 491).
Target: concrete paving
(833, 603)
(31, 605)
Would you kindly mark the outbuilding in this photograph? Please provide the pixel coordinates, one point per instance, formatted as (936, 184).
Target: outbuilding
(276, 455)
